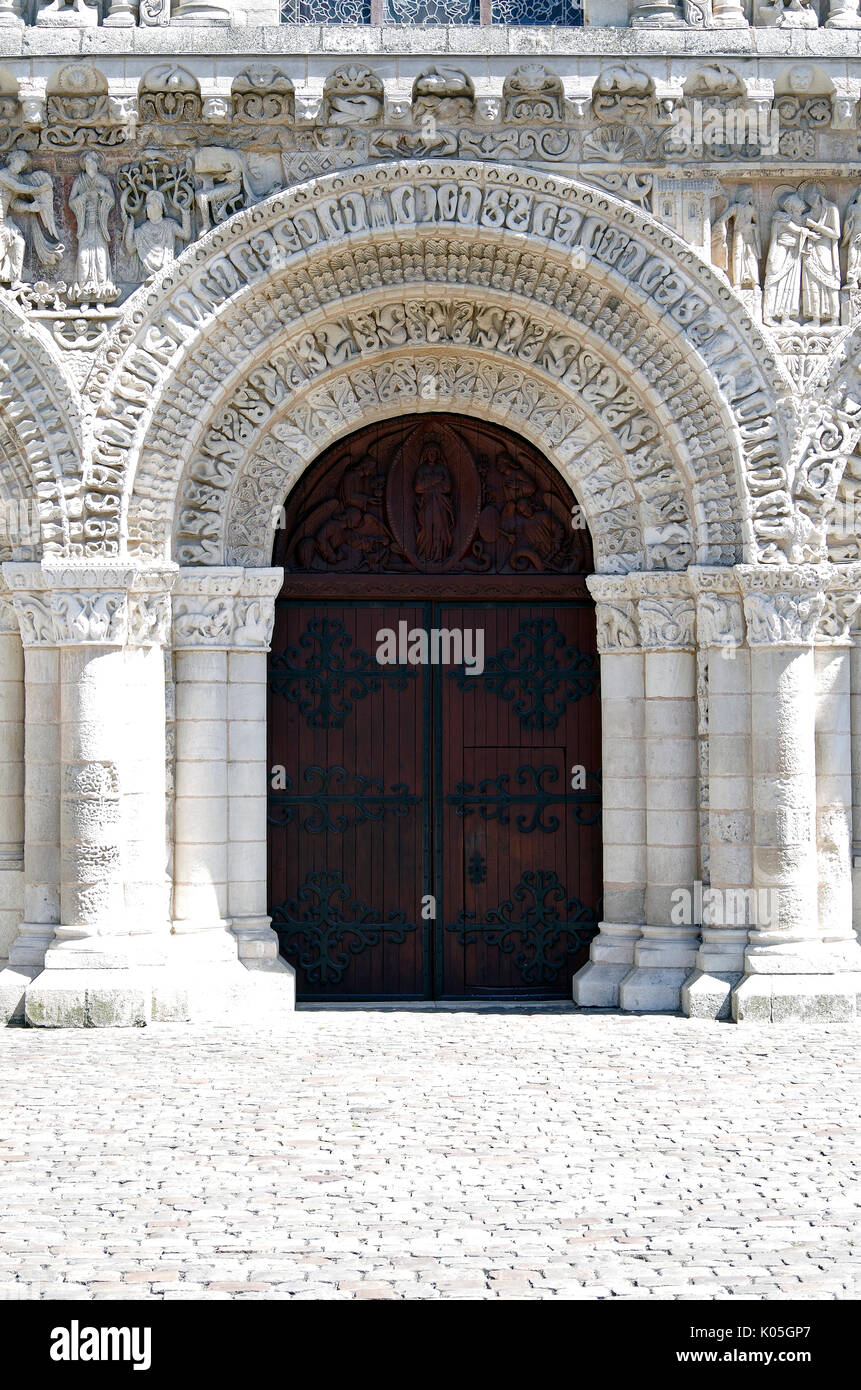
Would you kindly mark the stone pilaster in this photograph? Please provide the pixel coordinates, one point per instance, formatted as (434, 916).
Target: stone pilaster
(11, 797)
(855, 762)
(790, 972)
(94, 803)
(611, 957)
(666, 951)
(222, 628)
(727, 897)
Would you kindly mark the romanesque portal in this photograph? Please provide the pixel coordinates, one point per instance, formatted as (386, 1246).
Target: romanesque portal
(499, 325)
(436, 830)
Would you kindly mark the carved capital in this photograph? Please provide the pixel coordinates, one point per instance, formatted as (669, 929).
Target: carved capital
(720, 614)
(617, 627)
(87, 603)
(667, 624)
(225, 609)
(782, 608)
(782, 620)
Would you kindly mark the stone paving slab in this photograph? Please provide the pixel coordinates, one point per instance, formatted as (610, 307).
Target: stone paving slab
(432, 1154)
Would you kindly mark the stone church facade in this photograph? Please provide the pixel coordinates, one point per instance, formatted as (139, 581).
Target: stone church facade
(615, 249)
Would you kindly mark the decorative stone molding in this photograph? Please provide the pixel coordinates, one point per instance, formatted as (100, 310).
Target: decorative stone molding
(841, 605)
(40, 406)
(225, 609)
(69, 603)
(238, 294)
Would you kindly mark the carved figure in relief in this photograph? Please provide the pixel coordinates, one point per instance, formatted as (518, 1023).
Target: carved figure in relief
(28, 193)
(820, 259)
(155, 239)
(444, 93)
(852, 242)
(92, 200)
(740, 226)
(434, 510)
(221, 184)
(782, 297)
(354, 526)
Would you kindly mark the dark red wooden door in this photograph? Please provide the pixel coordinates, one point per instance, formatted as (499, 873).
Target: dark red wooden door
(518, 811)
(434, 829)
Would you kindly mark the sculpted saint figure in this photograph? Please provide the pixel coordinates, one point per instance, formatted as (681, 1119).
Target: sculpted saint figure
(434, 510)
(25, 192)
(740, 225)
(820, 259)
(91, 201)
(852, 242)
(782, 298)
(155, 239)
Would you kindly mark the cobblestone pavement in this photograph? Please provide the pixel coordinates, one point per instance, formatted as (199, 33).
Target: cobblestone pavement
(373, 1154)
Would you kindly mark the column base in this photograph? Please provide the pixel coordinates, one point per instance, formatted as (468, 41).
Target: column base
(14, 983)
(797, 998)
(207, 993)
(596, 984)
(256, 941)
(708, 994)
(663, 959)
(89, 998)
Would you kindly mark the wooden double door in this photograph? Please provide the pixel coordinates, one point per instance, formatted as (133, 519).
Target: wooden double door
(434, 811)
(434, 832)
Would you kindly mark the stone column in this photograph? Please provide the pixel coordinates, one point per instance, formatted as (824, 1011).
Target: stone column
(666, 951)
(728, 14)
(222, 628)
(656, 14)
(11, 799)
(789, 971)
(855, 725)
(727, 905)
(611, 957)
(833, 661)
(92, 631)
(40, 893)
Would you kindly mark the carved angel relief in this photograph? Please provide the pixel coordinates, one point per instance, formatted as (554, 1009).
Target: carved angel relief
(427, 497)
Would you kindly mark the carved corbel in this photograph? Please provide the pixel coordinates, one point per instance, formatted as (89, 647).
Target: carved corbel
(397, 103)
(123, 106)
(32, 95)
(309, 103)
(217, 99)
(488, 101)
(844, 103)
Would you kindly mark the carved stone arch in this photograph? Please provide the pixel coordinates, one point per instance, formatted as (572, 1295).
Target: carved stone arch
(825, 463)
(41, 438)
(611, 439)
(544, 241)
(244, 533)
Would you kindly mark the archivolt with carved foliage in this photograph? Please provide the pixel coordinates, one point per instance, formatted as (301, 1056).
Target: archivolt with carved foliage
(611, 271)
